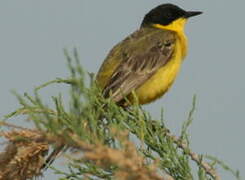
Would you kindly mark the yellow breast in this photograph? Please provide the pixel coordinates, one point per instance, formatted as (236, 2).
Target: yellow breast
(162, 80)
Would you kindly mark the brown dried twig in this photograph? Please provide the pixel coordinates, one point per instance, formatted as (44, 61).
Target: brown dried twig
(23, 157)
(129, 163)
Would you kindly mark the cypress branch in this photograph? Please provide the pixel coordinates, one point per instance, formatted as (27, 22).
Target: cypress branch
(102, 140)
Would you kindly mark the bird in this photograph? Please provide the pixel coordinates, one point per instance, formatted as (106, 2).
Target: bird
(142, 67)
(146, 63)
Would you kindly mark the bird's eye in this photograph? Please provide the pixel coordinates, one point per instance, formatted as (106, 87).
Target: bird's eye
(168, 14)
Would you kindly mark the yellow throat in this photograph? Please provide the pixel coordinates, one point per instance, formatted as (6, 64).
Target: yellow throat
(177, 26)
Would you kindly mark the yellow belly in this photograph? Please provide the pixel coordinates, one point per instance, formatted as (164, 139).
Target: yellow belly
(160, 82)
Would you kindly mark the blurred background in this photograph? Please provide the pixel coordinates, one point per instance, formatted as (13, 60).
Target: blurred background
(33, 35)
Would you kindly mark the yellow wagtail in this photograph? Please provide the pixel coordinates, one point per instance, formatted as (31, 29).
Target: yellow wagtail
(148, 60)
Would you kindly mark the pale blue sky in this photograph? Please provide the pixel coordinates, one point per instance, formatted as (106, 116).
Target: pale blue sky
(33, 34)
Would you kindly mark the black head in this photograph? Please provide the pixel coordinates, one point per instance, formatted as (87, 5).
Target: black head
(167, 13)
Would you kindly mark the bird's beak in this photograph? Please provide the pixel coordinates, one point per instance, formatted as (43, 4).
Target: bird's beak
(192, 13)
